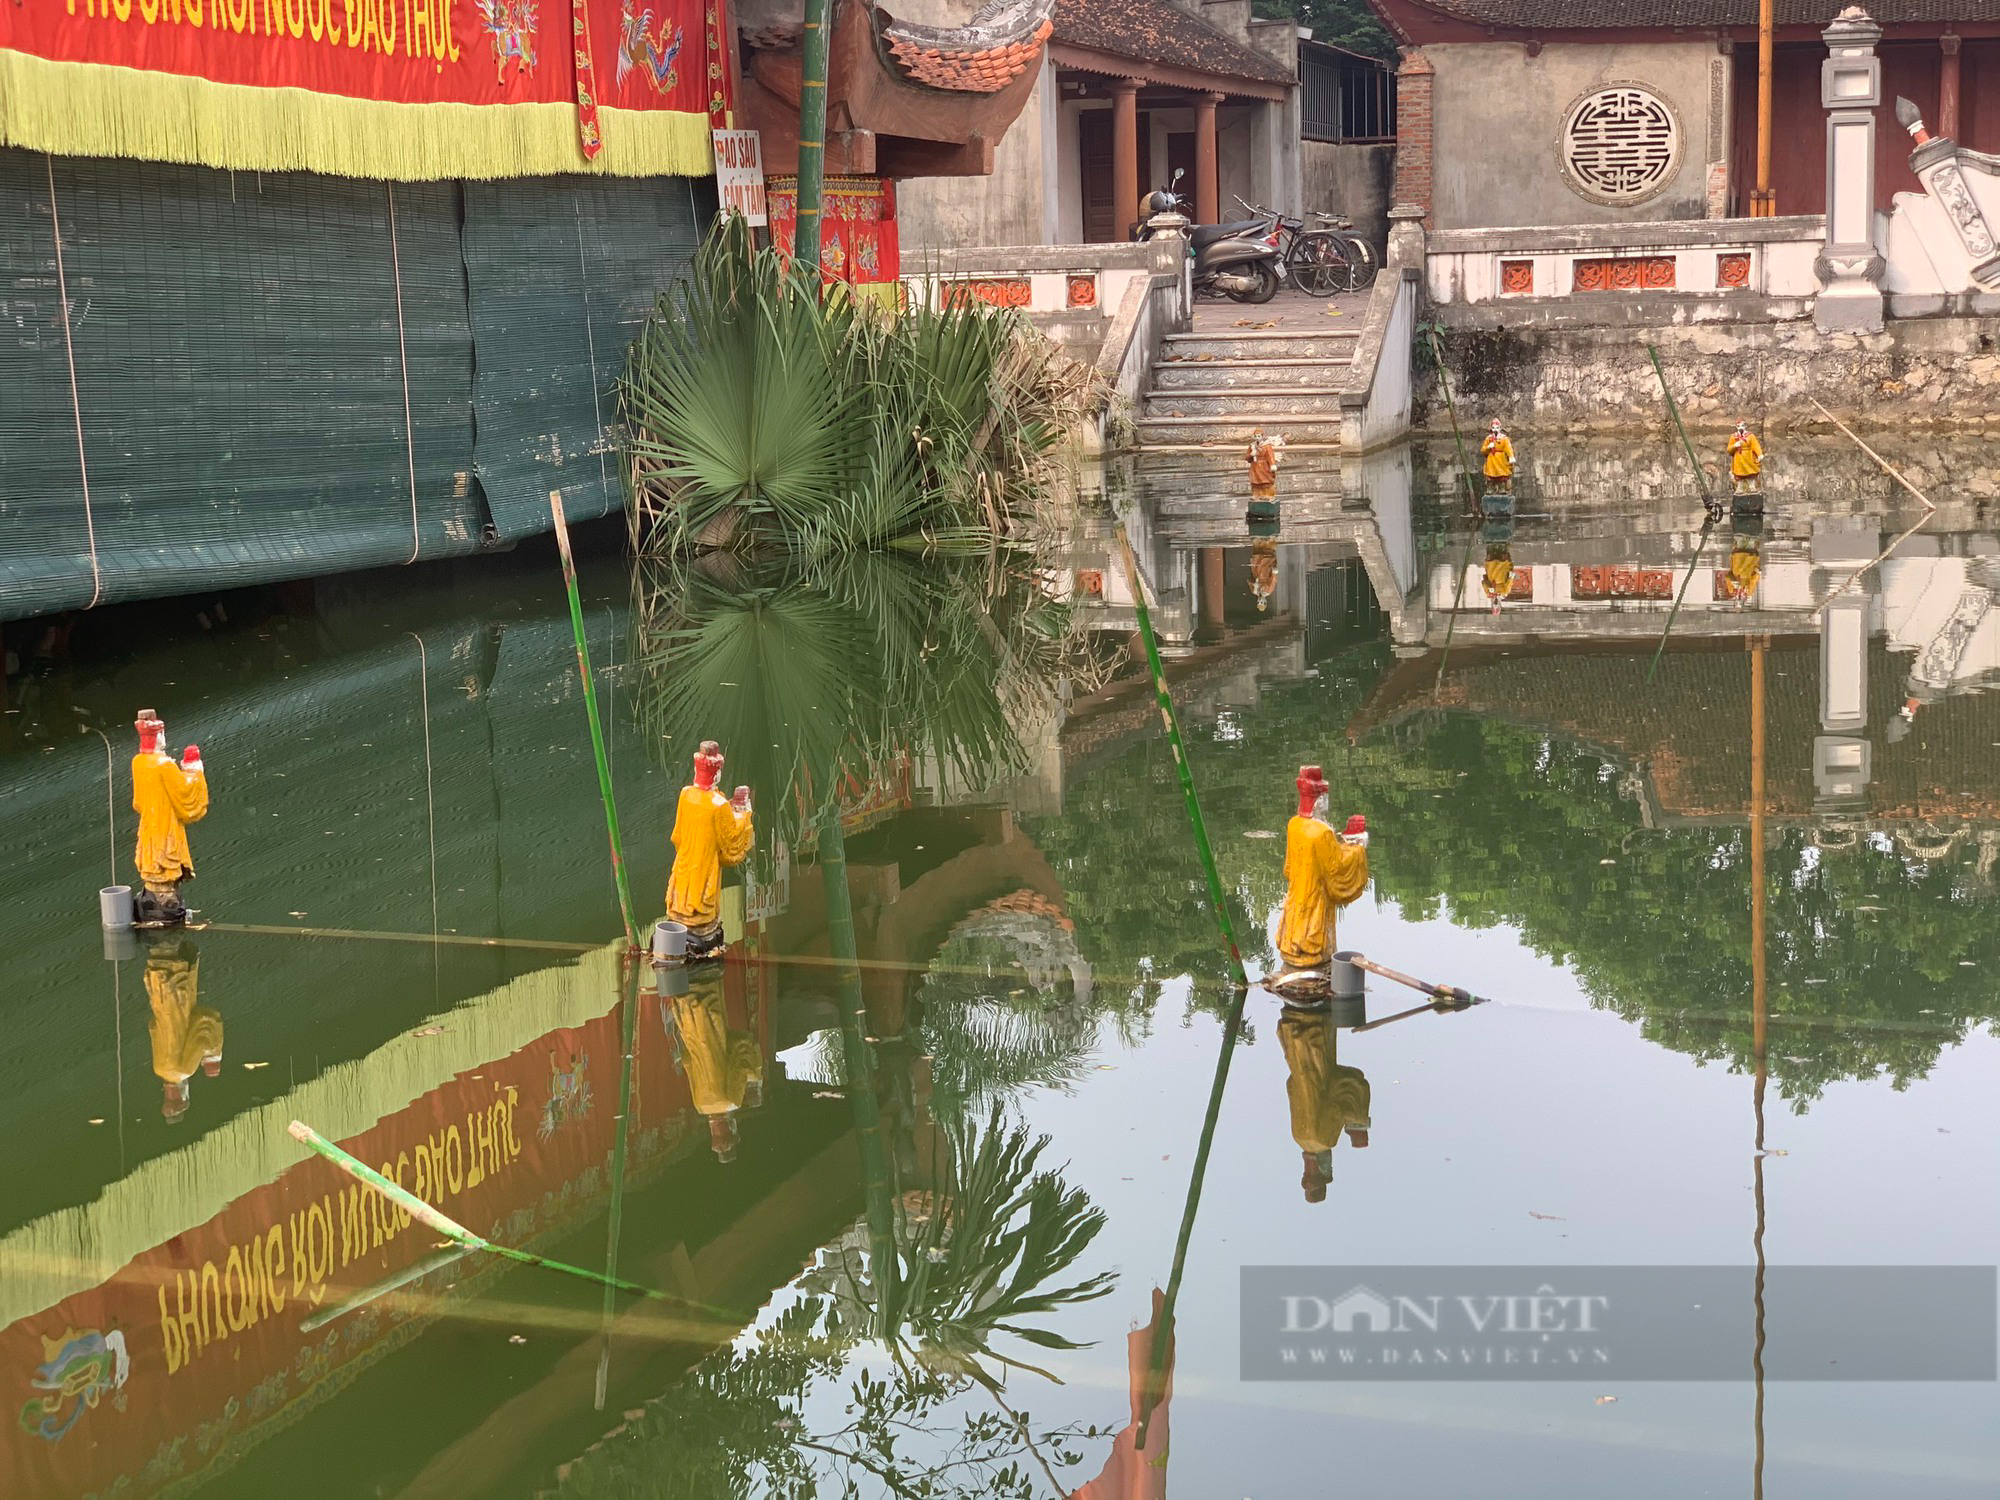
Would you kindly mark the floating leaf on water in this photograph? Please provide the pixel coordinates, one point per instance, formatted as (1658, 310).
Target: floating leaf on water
(1604, 1401)
(1260, 833)
(516, 1338)
(1556, 1218)
(429, 1031)
(291, 913)
(1607, 861)
(257, 1065)
(98, 1121)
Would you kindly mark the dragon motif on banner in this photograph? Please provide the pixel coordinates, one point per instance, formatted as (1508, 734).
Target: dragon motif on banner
(650, 48)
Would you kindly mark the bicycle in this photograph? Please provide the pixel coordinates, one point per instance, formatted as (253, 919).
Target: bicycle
(1315, 261)
(1359, 253)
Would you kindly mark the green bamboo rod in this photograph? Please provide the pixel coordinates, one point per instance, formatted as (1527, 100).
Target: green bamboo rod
(596, 727)
(451, 1229)
(1701, 485)
(1471, 495)
(614, 1219)
(1171, 722)
(1163, 1331)
(815, 49)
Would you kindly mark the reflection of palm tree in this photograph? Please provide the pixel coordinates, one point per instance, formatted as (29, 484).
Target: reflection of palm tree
(975, 1258)
(813, 676)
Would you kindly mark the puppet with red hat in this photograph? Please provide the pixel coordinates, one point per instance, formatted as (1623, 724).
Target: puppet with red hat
(710, 830)
(1324, 871)
(167, 795)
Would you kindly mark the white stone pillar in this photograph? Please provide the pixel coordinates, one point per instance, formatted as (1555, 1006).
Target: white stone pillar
(1850, 267)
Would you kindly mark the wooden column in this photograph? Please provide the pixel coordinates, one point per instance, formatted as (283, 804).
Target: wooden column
(1948, 86)
(1124, 156)
(1763, 198)
(1207, 190)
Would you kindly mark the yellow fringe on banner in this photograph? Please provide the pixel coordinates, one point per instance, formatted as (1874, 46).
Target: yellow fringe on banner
(75, 1249)
(95, 109)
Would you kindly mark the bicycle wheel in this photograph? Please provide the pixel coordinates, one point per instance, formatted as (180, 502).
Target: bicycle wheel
(1362, 261)
(1319, 264)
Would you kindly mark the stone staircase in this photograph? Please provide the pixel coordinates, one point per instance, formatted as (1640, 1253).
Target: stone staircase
(1215, 387)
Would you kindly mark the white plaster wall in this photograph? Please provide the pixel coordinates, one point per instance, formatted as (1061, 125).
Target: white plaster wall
(1004, 209)
(1497, 114)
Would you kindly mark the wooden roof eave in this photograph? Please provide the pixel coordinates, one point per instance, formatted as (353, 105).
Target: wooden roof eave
(1111, 65)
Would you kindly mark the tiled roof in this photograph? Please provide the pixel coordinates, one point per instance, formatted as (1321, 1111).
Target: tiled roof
(1001, 42)
(986, 71)
(1564, 15)
(1153, 31)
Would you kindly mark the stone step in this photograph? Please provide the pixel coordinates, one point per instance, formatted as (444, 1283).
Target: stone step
(1228, 374)
(1256, 344)
(1217, 432)
(1254, 403)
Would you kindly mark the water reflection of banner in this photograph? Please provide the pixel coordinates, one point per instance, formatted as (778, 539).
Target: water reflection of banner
(403, 89)
(157, 1374)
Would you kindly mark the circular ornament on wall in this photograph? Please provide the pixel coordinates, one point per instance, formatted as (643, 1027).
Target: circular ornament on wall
(1620, 144)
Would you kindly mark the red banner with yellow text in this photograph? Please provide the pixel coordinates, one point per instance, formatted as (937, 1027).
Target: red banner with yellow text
(400, 89)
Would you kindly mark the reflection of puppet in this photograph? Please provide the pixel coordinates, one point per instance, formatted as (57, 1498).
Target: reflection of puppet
(1498, 453)
(1499, 575)
(187, 1035)
(1263, 572)
(1324, 871)
(723, 1067)
(1263, 455)
(1746, 559)
(1746, 460)
(1133, 1471)
(167, 797)
(709, 832)
(1327, 1098)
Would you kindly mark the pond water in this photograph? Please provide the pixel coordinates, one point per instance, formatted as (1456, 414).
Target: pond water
(1736, 919)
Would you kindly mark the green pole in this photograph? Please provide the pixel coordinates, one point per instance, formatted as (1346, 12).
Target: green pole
(812, 134)
(1171, 722)
(1472, 498)
(1163, 1336)
(452, 1230)
(596, 727)
(1701, 485)
(860, 1065)
(615, 1217)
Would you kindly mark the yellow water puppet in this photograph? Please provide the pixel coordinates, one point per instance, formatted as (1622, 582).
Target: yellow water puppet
(1746, 460)
(186, 1035)
(167, 796)
(1498, 453)
(1324, 871)
(1327, 1098)
(710, 831)
(1498, 575)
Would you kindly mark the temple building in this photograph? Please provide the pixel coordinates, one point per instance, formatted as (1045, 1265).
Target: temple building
(1625, 111)
(1133, 90)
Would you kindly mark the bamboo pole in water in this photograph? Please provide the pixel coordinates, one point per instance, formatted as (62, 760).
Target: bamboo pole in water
(596, 727)
(1171, 722)
(451, 1229)
(1163, 1328)
(1471, 496)
(1701, 483)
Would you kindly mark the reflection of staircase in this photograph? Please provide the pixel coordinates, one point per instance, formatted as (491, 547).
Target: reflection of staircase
(1197, 482)
(1218, 385)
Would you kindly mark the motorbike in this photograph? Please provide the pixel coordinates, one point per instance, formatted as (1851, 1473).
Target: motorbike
(1239, 260)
